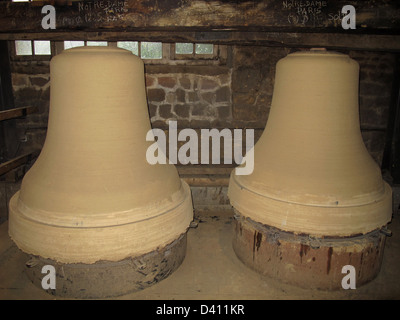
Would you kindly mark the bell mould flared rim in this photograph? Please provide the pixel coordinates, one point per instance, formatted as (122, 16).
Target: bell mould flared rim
(314, 200)
(101, 219)
(341, 221)
(67, 244)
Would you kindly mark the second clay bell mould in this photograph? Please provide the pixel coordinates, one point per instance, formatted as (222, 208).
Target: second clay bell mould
(92, 205)
(315, 201)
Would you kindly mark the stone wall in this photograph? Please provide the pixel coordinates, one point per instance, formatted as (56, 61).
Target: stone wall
(376, 77)
(31, 84)
(195, 100)
(253, 82)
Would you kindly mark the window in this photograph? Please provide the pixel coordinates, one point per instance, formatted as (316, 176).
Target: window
(36, 49)
(192, 51)
(145, 50)
(199, 48)
(23, 47)
(151, 52)
(97, 43)
(42, 47)
(132, 46)
(204, 48)
(183, 48)
(73, 44)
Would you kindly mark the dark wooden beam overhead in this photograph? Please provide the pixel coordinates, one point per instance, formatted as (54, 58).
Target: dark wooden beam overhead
(290, 23)
(372, 16)
(372, 42)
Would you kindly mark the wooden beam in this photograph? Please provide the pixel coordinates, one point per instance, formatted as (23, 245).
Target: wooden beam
(350, 41)
(16, 162)
(17, 112)
(372, 16)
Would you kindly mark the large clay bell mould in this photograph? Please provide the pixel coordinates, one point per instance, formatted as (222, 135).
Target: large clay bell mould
(316, 200)
(92, 205)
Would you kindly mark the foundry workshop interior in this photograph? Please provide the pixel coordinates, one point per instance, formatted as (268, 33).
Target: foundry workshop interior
(190, 150)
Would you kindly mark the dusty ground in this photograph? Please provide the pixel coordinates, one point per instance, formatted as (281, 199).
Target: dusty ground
(212, 271)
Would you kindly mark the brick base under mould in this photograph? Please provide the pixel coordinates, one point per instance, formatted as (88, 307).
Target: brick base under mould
(304, 261)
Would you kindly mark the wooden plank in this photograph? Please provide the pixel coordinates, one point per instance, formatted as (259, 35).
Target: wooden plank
(372, 16)
(16, 112)
(16, 162)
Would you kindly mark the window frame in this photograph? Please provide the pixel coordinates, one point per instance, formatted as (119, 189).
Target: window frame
(219, 56)
(33, 56)
(194, 55)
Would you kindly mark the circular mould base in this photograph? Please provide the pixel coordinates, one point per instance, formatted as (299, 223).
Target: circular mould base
(105, 279)
(303, 261)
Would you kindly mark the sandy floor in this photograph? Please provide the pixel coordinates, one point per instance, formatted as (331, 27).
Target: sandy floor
(212, 271)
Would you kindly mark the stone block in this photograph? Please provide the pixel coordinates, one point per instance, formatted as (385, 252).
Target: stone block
(180, 95)
(152, 110)
(19, 79)
(223, 94)
(208, 84)
(39, 81)
(185, 83)
(208, 97)
(167, 82)
(164, 111)
(155, 95)
(182, 110)
(150, 81)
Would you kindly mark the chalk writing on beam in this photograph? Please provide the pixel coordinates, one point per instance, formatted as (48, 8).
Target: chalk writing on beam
(302, 12)
(97, 12)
